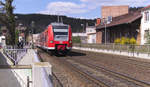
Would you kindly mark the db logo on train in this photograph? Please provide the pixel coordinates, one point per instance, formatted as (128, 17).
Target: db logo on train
(61, 42)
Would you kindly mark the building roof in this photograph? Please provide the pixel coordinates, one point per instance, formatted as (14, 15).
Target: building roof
(90, 27)
(124, 19)
(147, 7)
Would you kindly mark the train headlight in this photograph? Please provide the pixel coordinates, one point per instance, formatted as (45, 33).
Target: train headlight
(51, 41)
(70, 41)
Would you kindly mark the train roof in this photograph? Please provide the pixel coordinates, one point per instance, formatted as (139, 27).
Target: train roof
(58, 24)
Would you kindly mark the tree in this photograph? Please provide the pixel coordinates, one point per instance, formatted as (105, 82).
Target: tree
(8, 19)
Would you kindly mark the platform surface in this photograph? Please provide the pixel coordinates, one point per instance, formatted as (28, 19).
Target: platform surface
(28, 59)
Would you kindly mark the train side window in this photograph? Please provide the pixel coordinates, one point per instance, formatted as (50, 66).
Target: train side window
(46, 36)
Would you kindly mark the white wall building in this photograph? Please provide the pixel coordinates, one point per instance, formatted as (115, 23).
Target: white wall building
(2, 41)
(91, 34)
(79, 34)
(145, 24)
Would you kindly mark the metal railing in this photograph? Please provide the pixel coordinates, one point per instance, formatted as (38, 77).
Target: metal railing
(14, 53)
(116, 47)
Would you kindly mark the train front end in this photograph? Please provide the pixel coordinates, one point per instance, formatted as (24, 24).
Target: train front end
(62, 38)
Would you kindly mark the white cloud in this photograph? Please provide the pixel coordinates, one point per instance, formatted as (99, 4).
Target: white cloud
(85, 6)
(97, 3)
(64, 8)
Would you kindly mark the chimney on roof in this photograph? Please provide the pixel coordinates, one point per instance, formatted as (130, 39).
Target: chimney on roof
(98, 21)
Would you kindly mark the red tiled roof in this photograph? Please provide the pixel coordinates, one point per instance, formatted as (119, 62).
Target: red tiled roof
(127, 18)
(145, 8)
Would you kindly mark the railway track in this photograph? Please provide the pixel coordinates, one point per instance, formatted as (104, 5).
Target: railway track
(79, 71)
(95, 80)
(119, 75)
(132, 61)
(86, 75)
(56, 81)
(138, 63)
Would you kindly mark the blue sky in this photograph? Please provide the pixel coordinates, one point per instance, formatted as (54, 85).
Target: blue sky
(72, 8)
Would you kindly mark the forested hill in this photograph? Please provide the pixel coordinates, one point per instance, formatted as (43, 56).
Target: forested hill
(42, 21)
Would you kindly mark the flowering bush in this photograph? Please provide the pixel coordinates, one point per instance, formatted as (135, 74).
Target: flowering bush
(117, 41)
(132, 40)
(125, 40)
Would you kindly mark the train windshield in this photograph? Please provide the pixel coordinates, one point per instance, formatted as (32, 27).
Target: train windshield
(60, 33)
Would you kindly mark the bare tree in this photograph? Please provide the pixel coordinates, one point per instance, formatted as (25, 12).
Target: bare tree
(7, 17)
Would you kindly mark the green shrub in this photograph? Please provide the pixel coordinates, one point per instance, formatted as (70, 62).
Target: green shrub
(76, 39)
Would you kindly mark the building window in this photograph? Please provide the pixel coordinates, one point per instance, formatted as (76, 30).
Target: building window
(146, 16)
(146, 34)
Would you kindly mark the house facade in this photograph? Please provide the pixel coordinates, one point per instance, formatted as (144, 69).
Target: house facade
(145, 24)
(91, 34)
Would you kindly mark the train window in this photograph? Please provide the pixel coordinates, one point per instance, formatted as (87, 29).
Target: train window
(60, 33)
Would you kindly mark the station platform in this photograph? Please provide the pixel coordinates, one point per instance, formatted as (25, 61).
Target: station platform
(28, 59)
(123, 53)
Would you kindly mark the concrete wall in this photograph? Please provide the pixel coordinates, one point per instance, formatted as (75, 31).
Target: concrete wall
(114, 11)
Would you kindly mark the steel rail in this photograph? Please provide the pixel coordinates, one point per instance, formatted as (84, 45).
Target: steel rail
(119, 75)
(86, 75)
(81, 72)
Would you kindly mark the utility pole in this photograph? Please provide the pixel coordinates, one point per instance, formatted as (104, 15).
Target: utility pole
(105, 22)
(58, 18)
(105, 34)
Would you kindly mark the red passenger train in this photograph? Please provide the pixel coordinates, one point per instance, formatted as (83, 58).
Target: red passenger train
(57, 38)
